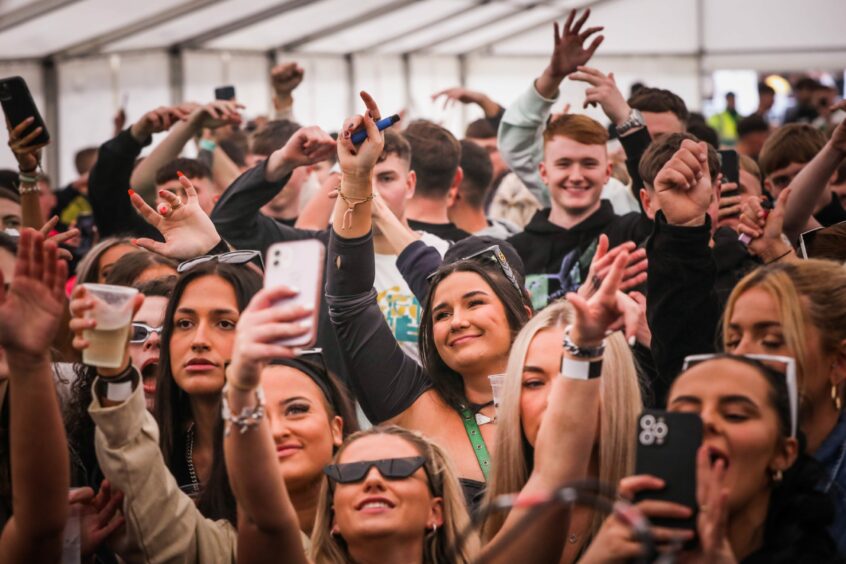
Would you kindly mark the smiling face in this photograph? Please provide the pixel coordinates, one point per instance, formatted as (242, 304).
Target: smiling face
(469, 325)
(145, 356)
(741, 425)
(304, 432)
(377, 507)
(203, 335)
(575, 174)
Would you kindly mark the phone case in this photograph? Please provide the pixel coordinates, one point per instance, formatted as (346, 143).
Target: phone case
(298, 264)
(18, 105)
(730, 166)
(666, 448)
(224, 93)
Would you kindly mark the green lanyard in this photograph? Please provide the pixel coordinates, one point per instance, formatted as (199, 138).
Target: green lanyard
(476, 440)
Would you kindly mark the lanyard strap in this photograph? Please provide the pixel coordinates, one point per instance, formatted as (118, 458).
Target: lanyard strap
(476, 440)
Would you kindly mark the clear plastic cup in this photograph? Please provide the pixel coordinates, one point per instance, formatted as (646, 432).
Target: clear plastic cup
(497, 382)
(113, 313)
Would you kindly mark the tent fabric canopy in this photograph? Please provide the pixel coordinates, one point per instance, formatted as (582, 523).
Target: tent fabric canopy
(85, 58)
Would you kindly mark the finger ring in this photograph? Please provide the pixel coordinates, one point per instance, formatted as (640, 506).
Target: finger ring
(176, 205)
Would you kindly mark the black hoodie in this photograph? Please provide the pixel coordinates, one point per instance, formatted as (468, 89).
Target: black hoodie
(557, 259)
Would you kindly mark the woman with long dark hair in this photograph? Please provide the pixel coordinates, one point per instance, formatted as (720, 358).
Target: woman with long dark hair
(474, 309)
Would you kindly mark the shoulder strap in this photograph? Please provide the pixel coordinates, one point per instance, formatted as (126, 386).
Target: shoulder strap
(476, 440)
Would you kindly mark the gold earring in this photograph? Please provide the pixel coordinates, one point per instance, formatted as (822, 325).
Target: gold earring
(835, 397)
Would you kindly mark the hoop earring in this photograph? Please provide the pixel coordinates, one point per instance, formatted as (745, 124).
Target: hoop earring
(835, 397)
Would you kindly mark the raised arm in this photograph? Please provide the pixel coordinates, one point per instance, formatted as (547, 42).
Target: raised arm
(110, 178)
(520, 132)
(386, 381)
(40, 477)
(284, 79)
(193, 119)
(251, 459)
(28, 155)
(237, 214)
(457, 94)
(812, 181)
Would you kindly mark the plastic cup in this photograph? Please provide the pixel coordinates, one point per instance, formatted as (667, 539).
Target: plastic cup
(497, 382)
(113, 313)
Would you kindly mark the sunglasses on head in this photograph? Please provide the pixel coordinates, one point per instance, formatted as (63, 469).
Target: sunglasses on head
(783, 365)
(141, 332)
(234, 257)
(389, 468)
(494, 253)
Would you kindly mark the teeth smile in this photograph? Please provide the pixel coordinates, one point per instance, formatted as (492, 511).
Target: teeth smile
(374, 504)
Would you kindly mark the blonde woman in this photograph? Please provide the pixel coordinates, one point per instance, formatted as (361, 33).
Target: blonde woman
(531, 370)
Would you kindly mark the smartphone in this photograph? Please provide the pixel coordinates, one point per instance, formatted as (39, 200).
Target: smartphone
(18, 105)
(666, 448)
(224, 93)
(298, 264)
(730, 167)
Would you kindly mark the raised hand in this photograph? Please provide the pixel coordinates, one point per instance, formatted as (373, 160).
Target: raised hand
(838, 136)
(31, 311)
(59, 238)
(764, 229)
(603, 260)
(360, 160)
(307, 146)
(261, 324)
(603, 91)
(569, 51)
(466, 96)
(27, 154)
(219, 113)
(606, 309)
(188, 231)
(100, 515)
(160, 119)
(683, 187)
(285, 78)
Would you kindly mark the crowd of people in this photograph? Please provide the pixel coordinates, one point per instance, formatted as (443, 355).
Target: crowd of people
(589, 272)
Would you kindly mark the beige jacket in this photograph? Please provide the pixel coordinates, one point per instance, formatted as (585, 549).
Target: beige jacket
(162, 523)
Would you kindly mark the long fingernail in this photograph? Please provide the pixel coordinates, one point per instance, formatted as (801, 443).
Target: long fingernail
(179, 173)
(130, 191)
(162, 209)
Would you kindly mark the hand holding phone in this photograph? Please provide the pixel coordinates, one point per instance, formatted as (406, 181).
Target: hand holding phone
(299, 266)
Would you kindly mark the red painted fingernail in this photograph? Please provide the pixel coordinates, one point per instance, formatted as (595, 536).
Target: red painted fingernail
(162, 209)
(134, 241)
(179, 173)
(131, 191)
(346, 134)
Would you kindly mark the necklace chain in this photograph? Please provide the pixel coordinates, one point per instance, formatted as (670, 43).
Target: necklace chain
(189, 459)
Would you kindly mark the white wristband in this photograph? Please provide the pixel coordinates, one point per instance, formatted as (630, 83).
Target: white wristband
(581, 369)
(119, 391)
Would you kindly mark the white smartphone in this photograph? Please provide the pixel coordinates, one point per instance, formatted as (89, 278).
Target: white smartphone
(298, 264)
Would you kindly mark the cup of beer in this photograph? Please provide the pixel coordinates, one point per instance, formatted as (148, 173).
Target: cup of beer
(113, 313)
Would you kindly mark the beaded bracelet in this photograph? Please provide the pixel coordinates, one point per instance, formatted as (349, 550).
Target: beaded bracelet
(248, 418)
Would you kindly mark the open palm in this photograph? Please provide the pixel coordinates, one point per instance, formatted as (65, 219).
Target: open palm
(570, 51)
(187, 230)
(36, 296)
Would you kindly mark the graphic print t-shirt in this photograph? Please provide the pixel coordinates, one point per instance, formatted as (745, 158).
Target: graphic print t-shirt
(398, 304)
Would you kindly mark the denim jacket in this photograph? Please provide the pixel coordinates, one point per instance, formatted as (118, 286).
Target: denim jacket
(832, 455)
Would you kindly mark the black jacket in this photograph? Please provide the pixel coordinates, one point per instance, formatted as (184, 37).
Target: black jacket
(107, 189)
(562, 256)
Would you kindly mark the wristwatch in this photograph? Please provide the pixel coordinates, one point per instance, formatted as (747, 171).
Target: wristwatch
(634, 120)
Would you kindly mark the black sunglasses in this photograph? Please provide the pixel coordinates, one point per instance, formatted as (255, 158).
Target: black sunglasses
(234, 257)
(141, 332)
(389, 468)
(493, 253)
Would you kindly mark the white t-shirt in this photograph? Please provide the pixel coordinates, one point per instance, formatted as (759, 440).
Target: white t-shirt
(398, 304)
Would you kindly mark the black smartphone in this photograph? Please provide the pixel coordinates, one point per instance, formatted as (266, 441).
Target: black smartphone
(18, 105)
(730, 167)
(224, 93)
(666, 448)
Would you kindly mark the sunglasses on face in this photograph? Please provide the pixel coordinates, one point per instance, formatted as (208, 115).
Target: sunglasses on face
(389, 468)
(141, 332)
(783, 365)
(234, 257)
(494, 254)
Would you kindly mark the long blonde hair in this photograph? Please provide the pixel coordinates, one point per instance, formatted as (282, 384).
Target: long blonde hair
(823, 285)
(621, 404)
(327, 548)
